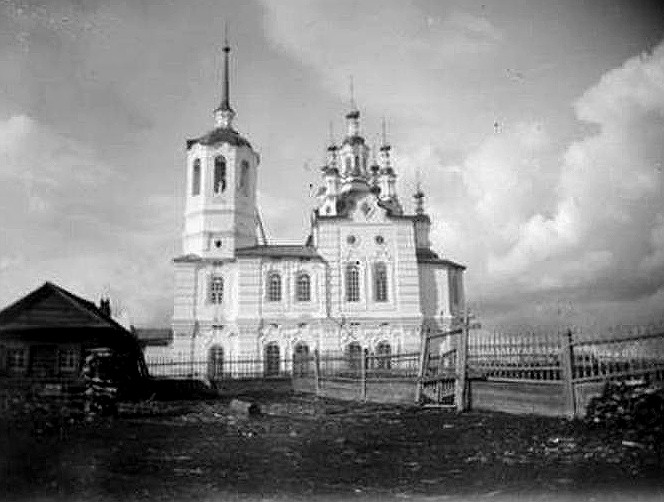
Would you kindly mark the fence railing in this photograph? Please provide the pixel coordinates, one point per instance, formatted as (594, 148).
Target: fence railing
(565, 359)
(541, 356)
(227, 369)
(525, 356)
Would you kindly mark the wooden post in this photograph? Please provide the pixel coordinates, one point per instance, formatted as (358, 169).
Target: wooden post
(567, 366)
(424, 358)
(317, 372)
(461, 369)
(363, 373)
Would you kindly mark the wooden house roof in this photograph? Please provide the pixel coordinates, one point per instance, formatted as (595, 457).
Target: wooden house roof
(51, 306)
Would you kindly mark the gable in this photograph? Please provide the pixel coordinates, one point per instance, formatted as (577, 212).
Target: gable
(367, 210)
(49, 307)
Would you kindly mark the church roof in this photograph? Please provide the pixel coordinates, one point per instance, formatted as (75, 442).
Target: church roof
(220, 135)
(279, 251)
(428, 256)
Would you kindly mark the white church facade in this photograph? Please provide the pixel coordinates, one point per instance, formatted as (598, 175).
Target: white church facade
(366, 277)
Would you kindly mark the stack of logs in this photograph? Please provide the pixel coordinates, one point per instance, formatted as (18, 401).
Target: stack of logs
(633, 407)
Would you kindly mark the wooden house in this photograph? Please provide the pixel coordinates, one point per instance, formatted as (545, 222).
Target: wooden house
(46, 335)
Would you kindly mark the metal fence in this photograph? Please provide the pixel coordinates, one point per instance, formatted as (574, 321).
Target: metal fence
(590, 355)
(225, 369)
(330, 365)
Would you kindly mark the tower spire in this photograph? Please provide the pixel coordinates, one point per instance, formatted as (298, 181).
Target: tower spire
(353, 105)
(224, 114)
(353, 116)
(419, 194)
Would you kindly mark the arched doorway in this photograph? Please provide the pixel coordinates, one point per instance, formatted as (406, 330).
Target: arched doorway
(301, 360)
(215, 369)
(354, 356)
(272, 359)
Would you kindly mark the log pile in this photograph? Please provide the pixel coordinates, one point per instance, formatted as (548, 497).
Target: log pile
(633, 407)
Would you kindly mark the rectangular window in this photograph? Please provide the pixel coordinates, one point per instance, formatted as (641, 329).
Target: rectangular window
(352, 283)
(216, 292)
(380, 282)
(67, 359)
(17, 359)
(196, 178)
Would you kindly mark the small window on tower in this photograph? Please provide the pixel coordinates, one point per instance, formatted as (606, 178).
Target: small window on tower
(244, 178)
(219, 175)
(196, 178)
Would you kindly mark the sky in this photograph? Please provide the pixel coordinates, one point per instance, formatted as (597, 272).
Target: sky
(536, 127)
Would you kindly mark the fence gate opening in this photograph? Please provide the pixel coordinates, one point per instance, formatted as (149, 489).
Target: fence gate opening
(442, 372)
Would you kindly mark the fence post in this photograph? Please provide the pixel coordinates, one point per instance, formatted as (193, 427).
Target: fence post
(317, 371)
(363, 373)
(567, 366)
(424, 358)
(461, 369)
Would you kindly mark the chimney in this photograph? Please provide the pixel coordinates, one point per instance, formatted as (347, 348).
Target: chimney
(105, 306)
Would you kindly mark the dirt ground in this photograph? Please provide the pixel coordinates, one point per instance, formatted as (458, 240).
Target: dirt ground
(307, 449)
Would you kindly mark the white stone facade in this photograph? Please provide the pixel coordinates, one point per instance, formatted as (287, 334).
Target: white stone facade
(366, 274)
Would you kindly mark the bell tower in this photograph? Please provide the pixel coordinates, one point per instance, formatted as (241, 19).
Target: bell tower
(221, 167)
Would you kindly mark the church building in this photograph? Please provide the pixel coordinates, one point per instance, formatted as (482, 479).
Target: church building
(366, 277)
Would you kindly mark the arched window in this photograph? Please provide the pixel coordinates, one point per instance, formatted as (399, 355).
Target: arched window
(383, 353)
(301, 360)
(348, 164)
(274, 287)
(196, 178)
(216, 290)
(215, 362)
(352, 282)
(303, 287)
(219, 184)
(272, 359)
(244, 178)
(380, 282)
(354, 356)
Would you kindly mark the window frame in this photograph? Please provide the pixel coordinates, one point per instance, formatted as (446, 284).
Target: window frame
(272, 361)
(219, 175)
(352, 283)
(10, 359)
(70, 356)
(273, 292)
(216, 289)
(196, 178)
(303, 287)
(243, 183)
(383, 355)
(381, 283)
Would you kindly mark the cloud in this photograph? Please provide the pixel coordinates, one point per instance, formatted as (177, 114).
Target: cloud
(64, 219)
(397, 39)
(538, 224)
(609, 206)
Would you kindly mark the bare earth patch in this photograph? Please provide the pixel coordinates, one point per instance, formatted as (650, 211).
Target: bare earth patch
(304, 448)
